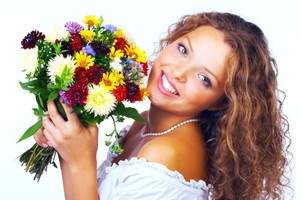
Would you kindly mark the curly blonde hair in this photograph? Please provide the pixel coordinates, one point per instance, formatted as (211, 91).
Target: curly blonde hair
(246, 139)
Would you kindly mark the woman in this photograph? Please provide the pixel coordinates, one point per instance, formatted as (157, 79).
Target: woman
(214, 128)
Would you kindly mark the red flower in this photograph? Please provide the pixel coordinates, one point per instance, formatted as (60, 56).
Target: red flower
(76, 94)
(120, 93)
(76, 42)
(145, 68)
(81, 75)
(91, 75)
(133, 92)
(95, 74)
(120, 43)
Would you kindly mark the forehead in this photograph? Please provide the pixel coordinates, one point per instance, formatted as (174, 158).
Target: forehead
(209, 49)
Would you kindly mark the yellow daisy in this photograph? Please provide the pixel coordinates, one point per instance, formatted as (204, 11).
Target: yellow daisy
(116, 53)
(99, 100)
(120, 33)
(135, 53)
(87, 35)
(92, 20)
(84, 60)
(112, 79)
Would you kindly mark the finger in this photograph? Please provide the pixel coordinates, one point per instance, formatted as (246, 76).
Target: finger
(38, 138)
(50, 138)
(93, 129)
(50, 127)
(54, 114)
(71, 115)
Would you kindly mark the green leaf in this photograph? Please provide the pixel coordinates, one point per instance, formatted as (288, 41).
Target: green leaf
(128, 112)
(31, 130)
(134, 114)
(53, 95)
(38, 112)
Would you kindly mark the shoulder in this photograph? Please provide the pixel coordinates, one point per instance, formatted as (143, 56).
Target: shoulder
(188, 158)
(162, 150)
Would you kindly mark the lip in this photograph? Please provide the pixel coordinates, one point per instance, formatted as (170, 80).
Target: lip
(162, 89)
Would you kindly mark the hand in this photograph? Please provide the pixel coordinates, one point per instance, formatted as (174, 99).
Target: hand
(76, 144)
(40, 138)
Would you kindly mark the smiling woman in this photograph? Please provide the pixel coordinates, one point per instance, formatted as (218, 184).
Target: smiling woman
(212, 87)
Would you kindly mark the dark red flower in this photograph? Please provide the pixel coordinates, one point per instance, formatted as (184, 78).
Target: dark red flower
(76, 42)
(95, 74)
(120, 93)
(145, 68)
(76, 94)
(30, 40)
(133, 92)
(120, 44)
(82, 75)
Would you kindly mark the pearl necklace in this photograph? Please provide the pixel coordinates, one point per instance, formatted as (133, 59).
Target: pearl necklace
(168, 130)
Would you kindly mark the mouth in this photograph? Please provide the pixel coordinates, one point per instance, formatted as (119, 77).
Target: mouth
(166, 86)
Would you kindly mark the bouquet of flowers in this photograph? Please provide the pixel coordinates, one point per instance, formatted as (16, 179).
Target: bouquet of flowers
(93, 67)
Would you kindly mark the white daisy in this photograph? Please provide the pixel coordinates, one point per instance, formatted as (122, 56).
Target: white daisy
(57, 33)
(30, 60)
(100, 101)
(116, 64)
(57, 66)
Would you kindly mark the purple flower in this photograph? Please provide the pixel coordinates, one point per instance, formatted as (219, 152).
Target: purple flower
(64, 97)
(74, 27)
(89, 50)
(110, 27)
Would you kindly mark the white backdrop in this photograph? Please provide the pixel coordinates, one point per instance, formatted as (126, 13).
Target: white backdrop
(146, 21)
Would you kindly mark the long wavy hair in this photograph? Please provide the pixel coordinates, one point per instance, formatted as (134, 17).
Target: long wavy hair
(248, 139)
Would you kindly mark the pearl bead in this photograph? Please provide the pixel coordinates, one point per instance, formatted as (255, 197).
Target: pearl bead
(170, 129)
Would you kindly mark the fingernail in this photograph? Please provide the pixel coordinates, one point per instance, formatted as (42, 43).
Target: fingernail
(45, 145)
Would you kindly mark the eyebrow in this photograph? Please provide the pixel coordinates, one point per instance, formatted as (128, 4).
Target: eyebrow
(189, 42)
(207, 70)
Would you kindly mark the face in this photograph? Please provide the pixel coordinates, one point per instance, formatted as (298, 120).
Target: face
(189, 74)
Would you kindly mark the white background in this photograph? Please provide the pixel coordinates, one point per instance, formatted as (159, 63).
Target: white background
(146, 21)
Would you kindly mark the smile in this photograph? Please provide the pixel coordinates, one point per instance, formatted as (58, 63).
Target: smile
(166, 87)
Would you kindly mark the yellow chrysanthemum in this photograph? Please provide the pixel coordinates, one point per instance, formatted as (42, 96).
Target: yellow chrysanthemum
(92, 20)
(120, 33)
(112, 79)
(136, 53)
(116, 53)
(99, 100)
(144, 92)
(87, 35)
(84, 60)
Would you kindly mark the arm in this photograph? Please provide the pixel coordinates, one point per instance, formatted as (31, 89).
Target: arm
(66, 179)
(83, 183)
(77, 146)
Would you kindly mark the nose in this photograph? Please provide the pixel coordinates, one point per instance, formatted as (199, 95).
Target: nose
(180, 74)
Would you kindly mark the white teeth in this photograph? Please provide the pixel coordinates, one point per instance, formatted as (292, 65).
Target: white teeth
(167, 85)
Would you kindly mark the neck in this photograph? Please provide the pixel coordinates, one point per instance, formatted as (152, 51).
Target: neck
(159, 120)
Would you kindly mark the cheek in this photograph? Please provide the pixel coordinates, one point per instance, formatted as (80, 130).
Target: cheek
(198, 97)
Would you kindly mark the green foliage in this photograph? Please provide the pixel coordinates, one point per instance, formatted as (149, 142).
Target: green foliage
(31, 130)
(105, 36)
(130, 112)
(103, 62)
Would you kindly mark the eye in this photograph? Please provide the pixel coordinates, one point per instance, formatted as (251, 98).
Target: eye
(182, 49)
(205, 80)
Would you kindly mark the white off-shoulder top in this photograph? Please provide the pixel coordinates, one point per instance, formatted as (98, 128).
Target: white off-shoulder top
(138, 178)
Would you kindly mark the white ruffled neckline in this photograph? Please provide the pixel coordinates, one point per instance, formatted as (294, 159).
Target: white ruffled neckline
(200, 184)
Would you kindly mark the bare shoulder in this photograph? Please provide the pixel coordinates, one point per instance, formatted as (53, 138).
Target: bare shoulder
(161, 150)
(177, 154)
